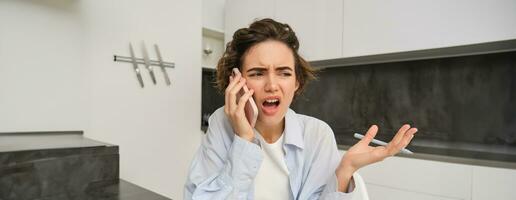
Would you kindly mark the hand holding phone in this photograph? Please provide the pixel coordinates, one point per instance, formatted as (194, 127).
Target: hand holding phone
(251, 110)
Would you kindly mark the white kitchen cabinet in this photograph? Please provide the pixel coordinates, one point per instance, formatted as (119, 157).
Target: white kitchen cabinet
(318, 26)
(385, 192)
(213, 14)
(445, 180)
(330, 29)
(241, 13)
(493, 183)
(378, 27)
(409, 178)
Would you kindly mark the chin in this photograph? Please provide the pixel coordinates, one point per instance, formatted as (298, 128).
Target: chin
(271, 120)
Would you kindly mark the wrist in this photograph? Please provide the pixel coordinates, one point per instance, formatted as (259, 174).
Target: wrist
(346, 169)
(343, 181)
(344, 174)
(249, 136)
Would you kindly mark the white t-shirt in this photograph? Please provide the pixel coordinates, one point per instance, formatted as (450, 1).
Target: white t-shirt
(272, 182)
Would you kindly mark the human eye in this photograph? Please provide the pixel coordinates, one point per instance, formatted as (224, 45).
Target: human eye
(255, 74)
(286, 73)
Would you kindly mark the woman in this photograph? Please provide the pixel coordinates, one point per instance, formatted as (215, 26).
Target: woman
(285, 155)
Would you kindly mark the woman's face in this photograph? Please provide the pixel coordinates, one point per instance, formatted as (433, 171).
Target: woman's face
(268, 68)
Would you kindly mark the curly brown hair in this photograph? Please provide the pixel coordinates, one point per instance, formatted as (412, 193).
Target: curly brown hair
(260, 31)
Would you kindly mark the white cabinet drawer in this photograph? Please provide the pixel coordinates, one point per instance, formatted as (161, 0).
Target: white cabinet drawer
(382, 192)
(493, 183)
(422, 176)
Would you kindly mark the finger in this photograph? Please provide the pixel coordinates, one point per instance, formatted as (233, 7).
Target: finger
(233, 80)
(408, 137)
(401, 132)
(233, 95)
(369, 136)
(243, 100)
(226, 96)
(236, 71)
(394, 149)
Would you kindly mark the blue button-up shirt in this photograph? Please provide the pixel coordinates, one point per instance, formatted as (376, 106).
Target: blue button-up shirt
(225, 165)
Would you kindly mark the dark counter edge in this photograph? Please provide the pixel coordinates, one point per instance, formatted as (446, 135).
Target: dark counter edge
(451, 159)
(128, 190)
(444, 158)
(71, 132)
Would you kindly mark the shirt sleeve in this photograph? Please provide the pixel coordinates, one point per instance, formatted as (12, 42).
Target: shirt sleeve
(224, 166)
(331, 190)
(322, 182)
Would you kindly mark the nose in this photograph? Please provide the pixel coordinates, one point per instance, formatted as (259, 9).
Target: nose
(271, 84)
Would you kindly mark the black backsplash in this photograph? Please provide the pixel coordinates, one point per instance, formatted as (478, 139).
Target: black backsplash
(211, 98)
(460, 99)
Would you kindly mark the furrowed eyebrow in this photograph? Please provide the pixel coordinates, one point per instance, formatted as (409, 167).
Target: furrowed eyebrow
(259, 69)
(283, 68)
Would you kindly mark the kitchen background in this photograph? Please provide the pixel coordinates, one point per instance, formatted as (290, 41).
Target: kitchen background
(58, 74)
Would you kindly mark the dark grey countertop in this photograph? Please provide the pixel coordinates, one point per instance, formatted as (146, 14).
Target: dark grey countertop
(122, 190)
(21, 147)
(27, 159)
(116, 190)
(489, 155)
(23, 141)
(501, 156)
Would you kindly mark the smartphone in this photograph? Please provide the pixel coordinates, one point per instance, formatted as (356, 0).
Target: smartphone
(251, 110)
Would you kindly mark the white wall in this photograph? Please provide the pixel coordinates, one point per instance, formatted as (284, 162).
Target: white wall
(157, 128)
(41, 75)
(213, 14)
(375, 27)
(58, 74)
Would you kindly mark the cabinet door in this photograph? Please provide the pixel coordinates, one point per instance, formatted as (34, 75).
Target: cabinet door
(386, 192)
(318, 26)
(493, 183)
(241, 13)
(378, 27)
(447, 180)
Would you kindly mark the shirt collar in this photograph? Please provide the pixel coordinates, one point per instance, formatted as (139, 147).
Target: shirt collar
(293, 130)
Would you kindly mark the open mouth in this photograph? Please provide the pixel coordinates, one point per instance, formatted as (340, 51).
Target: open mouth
(270, 105)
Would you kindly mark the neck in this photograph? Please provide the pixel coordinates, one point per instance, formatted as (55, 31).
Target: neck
(271, 133)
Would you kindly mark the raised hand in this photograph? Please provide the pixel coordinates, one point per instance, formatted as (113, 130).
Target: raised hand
(361, 154)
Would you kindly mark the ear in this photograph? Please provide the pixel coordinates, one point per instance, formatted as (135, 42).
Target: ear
(297, 85)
